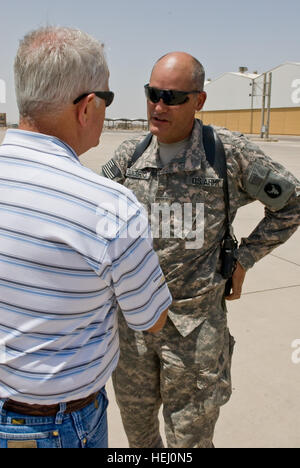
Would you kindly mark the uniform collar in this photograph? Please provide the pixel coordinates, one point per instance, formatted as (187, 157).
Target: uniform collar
(150, 158)
(38, 141)
(189, 159)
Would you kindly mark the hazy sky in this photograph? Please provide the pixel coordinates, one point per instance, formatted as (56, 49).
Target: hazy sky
(223, 35)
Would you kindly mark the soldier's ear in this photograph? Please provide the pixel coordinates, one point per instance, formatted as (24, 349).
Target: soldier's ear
(201, 98)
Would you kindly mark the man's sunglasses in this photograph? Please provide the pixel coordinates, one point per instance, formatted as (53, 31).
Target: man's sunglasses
(170, 97)
(108, 96)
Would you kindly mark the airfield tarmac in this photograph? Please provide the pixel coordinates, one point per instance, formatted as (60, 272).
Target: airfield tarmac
(264, 410)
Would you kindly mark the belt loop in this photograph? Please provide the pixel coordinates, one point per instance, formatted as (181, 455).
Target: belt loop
(60, 414)
(2, 410)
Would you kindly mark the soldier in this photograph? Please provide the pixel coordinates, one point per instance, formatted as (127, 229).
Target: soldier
(186, 367)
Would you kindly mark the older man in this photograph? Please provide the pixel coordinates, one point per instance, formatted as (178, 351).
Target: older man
(73, 246)
(186, 367)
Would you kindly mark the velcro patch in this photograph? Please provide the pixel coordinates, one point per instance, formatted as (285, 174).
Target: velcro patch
(271, 188)
(111, 170)
(138, 174)
(205, 182)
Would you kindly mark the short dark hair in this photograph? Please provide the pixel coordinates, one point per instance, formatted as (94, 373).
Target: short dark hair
(198, 77)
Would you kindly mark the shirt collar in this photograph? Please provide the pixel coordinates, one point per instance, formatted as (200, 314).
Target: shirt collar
(189, 159)
(38, 141)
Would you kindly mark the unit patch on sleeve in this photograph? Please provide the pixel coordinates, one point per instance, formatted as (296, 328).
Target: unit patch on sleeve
(273, 190)
(268, 186)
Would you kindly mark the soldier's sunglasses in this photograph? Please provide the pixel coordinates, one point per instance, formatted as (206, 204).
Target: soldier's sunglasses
(108, 96)
(169, 97)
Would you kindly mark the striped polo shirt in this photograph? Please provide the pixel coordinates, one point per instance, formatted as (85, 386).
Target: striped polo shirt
(73, 246)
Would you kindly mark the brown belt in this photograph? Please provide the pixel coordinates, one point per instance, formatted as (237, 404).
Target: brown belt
(48, 410)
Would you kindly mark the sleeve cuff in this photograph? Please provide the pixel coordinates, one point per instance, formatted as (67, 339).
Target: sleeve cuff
(246, 260)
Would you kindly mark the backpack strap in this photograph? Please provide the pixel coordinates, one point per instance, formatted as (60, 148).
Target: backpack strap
(140, 149)
(211, 142)
(215, 154)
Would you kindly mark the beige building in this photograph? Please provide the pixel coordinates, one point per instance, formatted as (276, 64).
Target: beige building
(234, 101)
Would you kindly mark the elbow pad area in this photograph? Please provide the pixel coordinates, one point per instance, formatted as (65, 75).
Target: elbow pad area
(268, 186)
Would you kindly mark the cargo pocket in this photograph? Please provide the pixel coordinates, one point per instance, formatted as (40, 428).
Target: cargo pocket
(214, 377)
(49, 439)
(225, 383)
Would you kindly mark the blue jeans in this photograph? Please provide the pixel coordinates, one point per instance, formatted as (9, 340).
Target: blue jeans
(86, 428)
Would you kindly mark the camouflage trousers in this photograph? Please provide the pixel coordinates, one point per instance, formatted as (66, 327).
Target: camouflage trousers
(189, 376)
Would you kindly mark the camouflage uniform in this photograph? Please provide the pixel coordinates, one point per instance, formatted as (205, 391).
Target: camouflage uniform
(186, 366)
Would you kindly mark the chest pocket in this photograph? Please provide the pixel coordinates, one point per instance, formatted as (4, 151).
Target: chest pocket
(205, 182)
(195, 205)
(141, 183)
(210, 192)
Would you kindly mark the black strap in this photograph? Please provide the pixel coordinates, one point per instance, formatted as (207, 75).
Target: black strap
(209, 142)
(140, 149)
(215, 155)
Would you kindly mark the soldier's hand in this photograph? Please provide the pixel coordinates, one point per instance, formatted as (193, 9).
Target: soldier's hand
(238, 279)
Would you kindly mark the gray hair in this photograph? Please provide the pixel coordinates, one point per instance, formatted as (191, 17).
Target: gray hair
(55, 65)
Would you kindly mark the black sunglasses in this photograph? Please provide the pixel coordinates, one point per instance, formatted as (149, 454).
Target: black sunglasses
(170, 97)
(108, 96)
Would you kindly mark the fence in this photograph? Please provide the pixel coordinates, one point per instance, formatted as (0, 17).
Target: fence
(2, 120)
(126, 124)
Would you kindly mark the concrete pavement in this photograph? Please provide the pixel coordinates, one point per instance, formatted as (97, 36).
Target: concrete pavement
(264, 411)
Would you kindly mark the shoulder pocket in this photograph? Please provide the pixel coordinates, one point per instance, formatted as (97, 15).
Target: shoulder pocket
(268, 186)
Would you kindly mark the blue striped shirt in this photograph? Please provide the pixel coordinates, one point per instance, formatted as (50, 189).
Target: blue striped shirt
(73, 246)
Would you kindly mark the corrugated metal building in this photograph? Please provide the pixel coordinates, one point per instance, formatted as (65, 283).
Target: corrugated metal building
(234, 101)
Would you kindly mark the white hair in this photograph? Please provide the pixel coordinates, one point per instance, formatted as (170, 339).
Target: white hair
(54, 66)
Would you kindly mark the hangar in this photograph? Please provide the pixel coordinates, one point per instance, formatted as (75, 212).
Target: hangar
(235, 100)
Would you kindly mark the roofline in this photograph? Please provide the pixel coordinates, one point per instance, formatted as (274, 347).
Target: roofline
(282, 65)
(250, 76)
